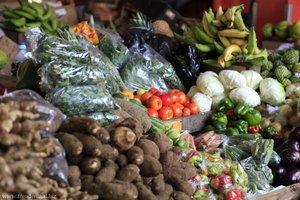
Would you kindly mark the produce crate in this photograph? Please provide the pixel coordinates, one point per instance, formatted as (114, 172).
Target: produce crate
(291, 192)
(191, 123)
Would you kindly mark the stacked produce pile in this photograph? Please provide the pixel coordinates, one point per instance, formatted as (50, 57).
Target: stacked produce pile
(283, 30)
(227, 35)
(30, 15)
(25, 149)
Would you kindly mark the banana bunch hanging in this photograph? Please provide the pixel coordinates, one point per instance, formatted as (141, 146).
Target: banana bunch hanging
(226, 33)
(30, 15)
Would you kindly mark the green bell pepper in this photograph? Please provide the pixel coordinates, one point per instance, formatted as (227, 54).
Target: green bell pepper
(219, 117)
(225, 104)
(208, 128)
(241, 125)
(232, 131)
(219, 127)
(270, 132)
(241, 109)
(253, 117)
(195, 160)
(261, 128)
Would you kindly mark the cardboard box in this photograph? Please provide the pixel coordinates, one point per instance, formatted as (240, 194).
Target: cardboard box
(11, 49)
(67, 14)
(274, 45)
(291, 192)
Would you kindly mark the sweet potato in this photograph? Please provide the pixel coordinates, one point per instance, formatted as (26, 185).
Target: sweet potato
(177, 195)
(128, 173)
(103, 135)
(71, 144)
(158, 184)
(123, 138)
(150, 167)
(135, 155)
(80, 124)
(107, 173)
(108, 152)
(161, 140)
(165, 194)
(144, 192)
(149, 148)
(91, 145)
(74, 176)
(122, 160)
(115, 190)
(90, 165)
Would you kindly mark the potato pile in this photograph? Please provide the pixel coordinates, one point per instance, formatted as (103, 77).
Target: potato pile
(115, 163)
(22, 153)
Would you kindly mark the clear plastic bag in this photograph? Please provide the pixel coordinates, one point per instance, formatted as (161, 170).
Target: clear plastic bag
(208, 141)
(79, 100)
(146, 69)
(103, 117)
(111, 44)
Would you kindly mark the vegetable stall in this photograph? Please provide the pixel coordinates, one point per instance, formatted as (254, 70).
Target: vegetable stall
(152, 114)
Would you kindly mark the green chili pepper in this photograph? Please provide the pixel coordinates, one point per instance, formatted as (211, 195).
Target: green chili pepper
(219, 117)
(241, 109)
(269, 132)
(241, 125)
(219, 127)
(226, 104)
(232, 131)
(253, 117)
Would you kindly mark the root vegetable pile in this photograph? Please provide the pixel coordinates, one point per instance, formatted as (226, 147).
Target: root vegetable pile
(23, 150)
(124, 165)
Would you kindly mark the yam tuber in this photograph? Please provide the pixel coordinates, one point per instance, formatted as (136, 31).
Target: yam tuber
(158, 184)
(86, 182)
(91, 145)
(149, 148)
(144, 192)
(80, 124)
(177, 195)
(71, 144)
(103, 135)
(122, 160)
(115, 190)
(165, 194)
(107, 173)
(183, 186)
(108, 153)
(123, 138)
(135, 155)
(74, 176)
(74, 160)
(128, 173)
(90, 165)
(161, 140)
(150, 167)
(134, 125)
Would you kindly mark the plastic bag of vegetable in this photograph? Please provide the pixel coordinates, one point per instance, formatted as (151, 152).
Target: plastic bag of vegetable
(147, 68)
(78, 100)
(103, 117)
(111, 44)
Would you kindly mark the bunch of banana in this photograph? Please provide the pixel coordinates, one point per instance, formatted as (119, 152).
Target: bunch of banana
(225, 33)
(30, 15)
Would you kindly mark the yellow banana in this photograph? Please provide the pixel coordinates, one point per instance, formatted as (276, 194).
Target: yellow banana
(219, 13)
(238, 41)
(244, 50)
(221, 61)
(252, 41)
(257, 51)
(217, 23)
(205, 25)
(229, 16)
(228, 52)
(224, 41)
(233, 33)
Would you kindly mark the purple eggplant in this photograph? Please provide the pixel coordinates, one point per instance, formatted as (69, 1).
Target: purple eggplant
(292, 176)
(278, 171)
(289, 144)
(295, 133)
(289, 158)
(278, 140)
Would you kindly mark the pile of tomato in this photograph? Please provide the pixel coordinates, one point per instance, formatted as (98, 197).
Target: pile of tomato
(164, 105)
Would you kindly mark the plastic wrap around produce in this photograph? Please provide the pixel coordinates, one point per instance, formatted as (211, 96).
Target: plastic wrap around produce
(79, 100)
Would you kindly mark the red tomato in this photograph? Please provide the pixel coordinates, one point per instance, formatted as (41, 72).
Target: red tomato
(138, 98)
(165, 113)
(186, 112)
(154, 102)
(235, 194)
(177, 111)
(194, 108)
(179, 105)
(153, 90)
(128, 93)
(145, 97)
(159, 93)
(174, 97)
(166, 100)
(174, 91)
(187, 101)
(152, 112)
(180, 97)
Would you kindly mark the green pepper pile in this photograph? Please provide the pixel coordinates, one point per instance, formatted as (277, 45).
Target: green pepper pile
(234, 119)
